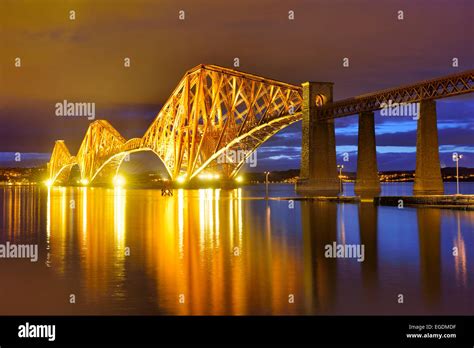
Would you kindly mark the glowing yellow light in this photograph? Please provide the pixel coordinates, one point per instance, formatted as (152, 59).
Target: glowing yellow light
(181, 179)
(84, 182)
(49, 182)
(208, 176)
(205, 176)
(239, 179)
(119, 181)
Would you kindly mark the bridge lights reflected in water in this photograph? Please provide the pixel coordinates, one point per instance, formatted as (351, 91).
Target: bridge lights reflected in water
(84, 214)
(181, 223)
(48, 217)
(119, 218)
(460, 262)
(229, 254)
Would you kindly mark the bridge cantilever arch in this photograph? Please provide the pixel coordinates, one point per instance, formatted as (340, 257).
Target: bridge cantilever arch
(215, 111)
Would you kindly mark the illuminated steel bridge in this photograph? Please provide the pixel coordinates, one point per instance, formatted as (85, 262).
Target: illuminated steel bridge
(213, 112)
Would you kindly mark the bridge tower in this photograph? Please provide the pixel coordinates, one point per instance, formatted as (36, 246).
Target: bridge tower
(318, 152)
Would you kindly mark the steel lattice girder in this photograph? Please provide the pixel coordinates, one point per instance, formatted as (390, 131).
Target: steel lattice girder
(212, 110)
(99, 145)
(211, 107)
(61, 161)
(431, 89)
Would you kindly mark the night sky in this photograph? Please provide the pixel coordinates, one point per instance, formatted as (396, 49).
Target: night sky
(81, 60)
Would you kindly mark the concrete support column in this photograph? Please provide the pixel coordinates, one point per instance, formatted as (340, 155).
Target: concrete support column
(318, 152)
(367, 182)
(428, 180)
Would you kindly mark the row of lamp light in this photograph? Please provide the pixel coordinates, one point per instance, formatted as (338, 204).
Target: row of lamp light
(119, 180)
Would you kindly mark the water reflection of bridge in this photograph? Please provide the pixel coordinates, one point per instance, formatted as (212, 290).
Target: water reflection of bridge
(230, 255)
(375, 283)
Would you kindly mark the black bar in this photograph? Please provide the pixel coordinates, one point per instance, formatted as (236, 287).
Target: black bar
(136, 330)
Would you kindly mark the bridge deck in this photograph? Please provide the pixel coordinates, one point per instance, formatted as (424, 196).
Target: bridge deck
(438, 88)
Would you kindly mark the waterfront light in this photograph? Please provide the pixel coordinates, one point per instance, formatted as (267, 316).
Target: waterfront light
(239, 179)
(181, 179)
(341, 187)
(84, 182)
(456, 158)
(49, 182)
(119, 181)
(266, 184)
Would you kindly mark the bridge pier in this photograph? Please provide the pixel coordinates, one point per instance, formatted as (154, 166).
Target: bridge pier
(367, 182)
(428, 179)
(318, 152)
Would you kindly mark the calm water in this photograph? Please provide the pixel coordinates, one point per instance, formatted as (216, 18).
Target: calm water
(226, 252)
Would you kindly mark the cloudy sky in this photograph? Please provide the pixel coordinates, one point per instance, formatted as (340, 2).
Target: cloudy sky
(81, 60)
